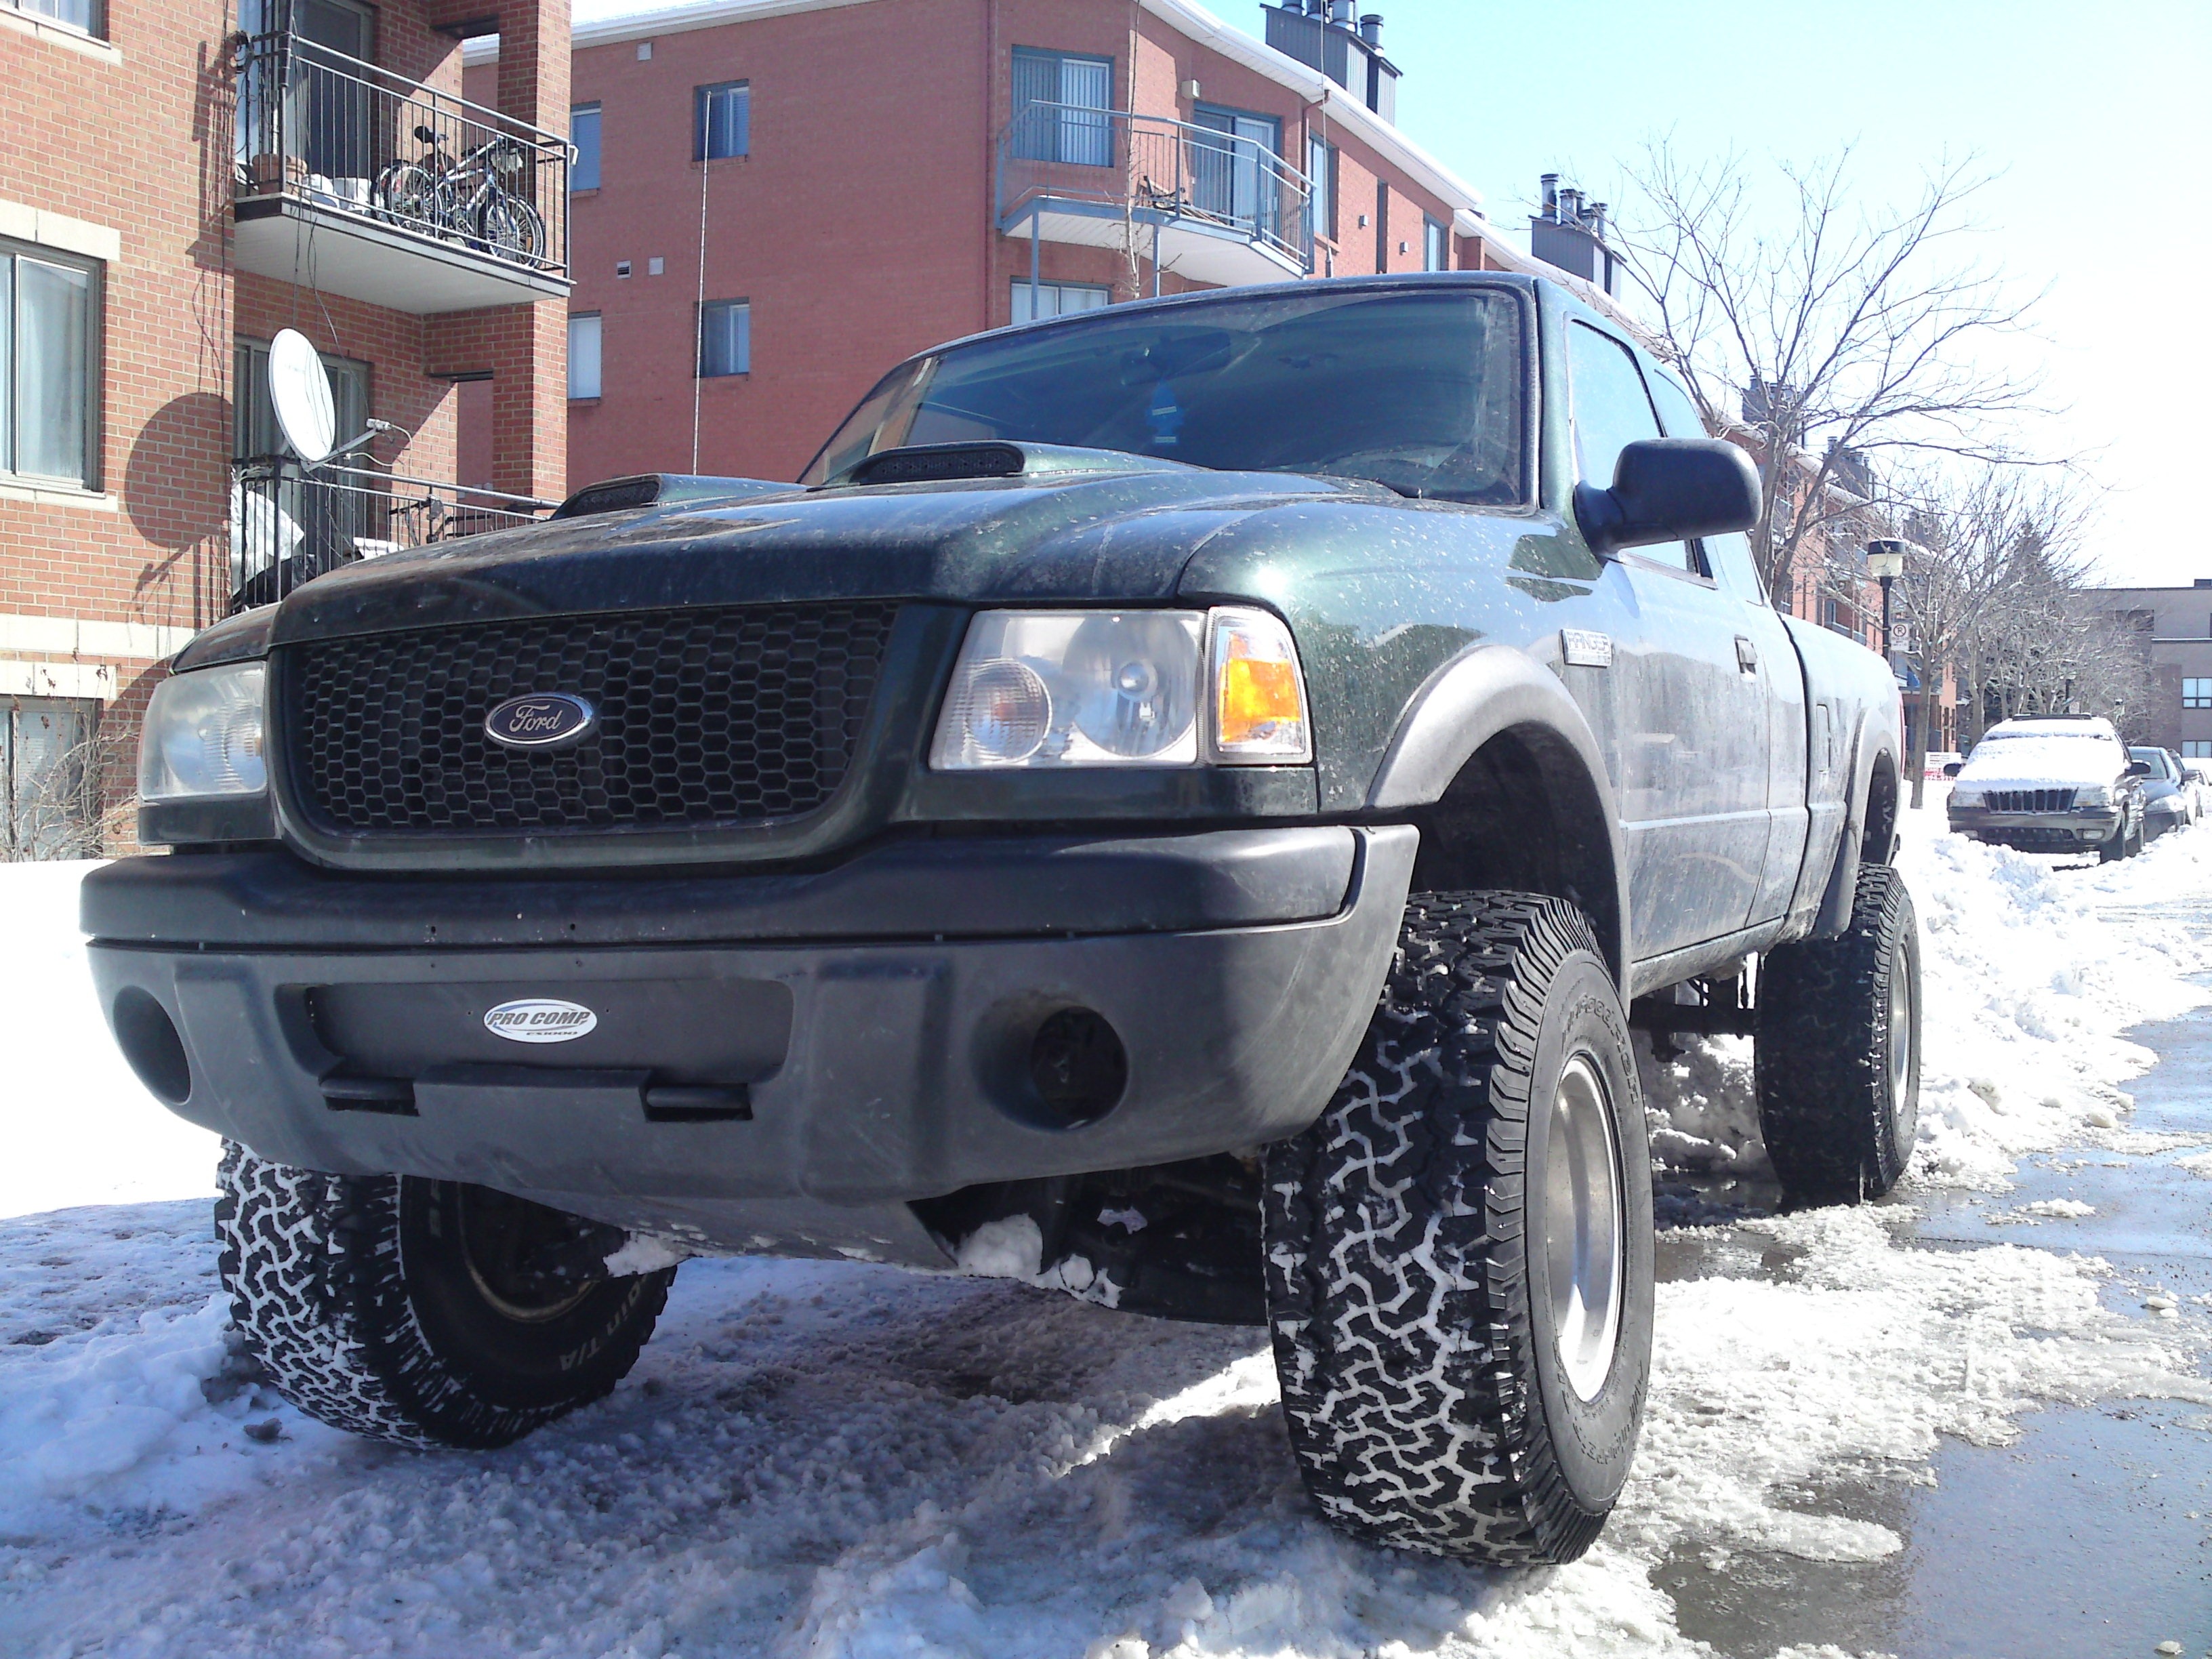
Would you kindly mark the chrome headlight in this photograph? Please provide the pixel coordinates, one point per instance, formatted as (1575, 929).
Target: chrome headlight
(1049, 689)
(2096, 794)
(203, 735)
(1965, 797)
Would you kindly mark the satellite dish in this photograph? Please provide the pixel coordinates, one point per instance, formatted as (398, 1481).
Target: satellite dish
(300, 387)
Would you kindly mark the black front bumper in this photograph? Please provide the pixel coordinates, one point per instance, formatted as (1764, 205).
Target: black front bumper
(874, 1018)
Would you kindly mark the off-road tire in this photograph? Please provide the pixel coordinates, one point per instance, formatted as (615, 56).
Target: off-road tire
(2123, 844)
(1414, 1333)
(364, 1312)
(1839, 1119)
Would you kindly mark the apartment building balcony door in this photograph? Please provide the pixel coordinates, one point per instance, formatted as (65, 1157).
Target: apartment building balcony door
(322, 109)
(1229, 179)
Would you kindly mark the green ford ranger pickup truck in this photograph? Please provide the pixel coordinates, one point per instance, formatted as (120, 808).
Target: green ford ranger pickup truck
(1186, 803)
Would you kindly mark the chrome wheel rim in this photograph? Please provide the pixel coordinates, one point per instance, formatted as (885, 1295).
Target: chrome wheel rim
(1582, 1227)
(1903, 1108)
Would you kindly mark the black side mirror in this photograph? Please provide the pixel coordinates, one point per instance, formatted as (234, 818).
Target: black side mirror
(2138, 768)
(1951, 768)
(1669, 489)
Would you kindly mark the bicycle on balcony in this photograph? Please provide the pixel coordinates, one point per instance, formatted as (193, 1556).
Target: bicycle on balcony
(471, 196)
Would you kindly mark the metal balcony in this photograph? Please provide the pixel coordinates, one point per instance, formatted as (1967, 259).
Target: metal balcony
(1207, 205)
(354, 180)
(289, 524)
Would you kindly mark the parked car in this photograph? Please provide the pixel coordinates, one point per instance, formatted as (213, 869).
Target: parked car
(2170, 798)
(2051, 783)
(1186, 802)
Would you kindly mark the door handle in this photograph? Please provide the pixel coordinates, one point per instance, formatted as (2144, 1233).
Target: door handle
(1747, 655)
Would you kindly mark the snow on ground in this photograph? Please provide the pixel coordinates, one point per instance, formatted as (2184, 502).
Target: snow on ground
(836, 1458)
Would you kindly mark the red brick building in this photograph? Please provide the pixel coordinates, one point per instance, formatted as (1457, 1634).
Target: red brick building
(864, 178)
(179, 179)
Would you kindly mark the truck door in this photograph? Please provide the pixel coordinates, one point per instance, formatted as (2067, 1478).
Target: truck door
(1694, 737)
(1774, 659)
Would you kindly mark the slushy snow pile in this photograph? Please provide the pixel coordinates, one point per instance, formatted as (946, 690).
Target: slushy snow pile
(834, 1459)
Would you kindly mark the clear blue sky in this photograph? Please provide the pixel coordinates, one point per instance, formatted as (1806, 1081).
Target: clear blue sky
(2099, 117)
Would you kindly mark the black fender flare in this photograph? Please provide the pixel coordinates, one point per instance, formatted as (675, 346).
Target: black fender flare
(1483, 692)
(1870, 742)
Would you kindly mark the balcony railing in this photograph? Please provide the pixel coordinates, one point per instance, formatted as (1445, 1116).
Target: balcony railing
(320, 129)
(1143, 173)
(288, 525)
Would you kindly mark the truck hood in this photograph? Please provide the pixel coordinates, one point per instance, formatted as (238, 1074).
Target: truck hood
(1124, 535)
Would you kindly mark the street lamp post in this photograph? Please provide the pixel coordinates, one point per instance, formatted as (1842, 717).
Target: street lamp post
(1886, 563)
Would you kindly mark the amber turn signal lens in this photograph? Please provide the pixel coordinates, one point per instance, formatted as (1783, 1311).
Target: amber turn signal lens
(1259, 699)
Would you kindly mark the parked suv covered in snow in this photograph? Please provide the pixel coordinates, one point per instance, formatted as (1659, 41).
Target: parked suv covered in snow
(1183, 803)
(2051, 783)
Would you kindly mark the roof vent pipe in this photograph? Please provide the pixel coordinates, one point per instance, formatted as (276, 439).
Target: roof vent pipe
(1371, 30)
(1339, 13)
(1570, 206)
(1551, 183)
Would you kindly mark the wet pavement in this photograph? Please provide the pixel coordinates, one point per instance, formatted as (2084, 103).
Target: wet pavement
(2091, 1534)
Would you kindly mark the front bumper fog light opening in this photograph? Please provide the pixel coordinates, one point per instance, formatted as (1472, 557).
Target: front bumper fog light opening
(151, 1045)
(1077, 1068)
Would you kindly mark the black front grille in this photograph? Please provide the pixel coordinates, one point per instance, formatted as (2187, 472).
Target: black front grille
(704, 717)
(2031, 800)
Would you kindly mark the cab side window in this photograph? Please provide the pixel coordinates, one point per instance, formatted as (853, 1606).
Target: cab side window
(1611, 410)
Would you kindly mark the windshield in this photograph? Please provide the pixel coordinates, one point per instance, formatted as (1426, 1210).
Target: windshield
(1421, 390)
(2159, 767)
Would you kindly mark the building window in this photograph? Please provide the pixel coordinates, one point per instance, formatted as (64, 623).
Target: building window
(1321, 174)
(584, 134)
(1060, 102)
(584, 355)
(78, 14)
(49, 355)
(1055, 299)
(725, 338)
(2196, 694)
(2196, 749)
(1234, 177)
(724, 120)
(1435, 246)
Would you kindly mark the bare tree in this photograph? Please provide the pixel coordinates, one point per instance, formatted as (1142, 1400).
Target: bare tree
(1995, 591)
(1830, 339)
(72, 799)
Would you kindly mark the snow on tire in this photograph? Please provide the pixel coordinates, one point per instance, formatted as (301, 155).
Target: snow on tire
(1837, 1050)
(374, 1308)
(1460, 1287)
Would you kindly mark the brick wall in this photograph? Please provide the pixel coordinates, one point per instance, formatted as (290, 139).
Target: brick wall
(134, 135)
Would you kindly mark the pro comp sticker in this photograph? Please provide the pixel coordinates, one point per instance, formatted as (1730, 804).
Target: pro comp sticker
(540, 1019)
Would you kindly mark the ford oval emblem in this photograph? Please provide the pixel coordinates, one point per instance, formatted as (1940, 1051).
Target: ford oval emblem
(544, 720)
(540, 1019)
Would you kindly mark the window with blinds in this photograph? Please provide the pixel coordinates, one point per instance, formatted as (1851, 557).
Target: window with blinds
(1041, 300)
(1060, 102)
(725, 338)
(724, 120)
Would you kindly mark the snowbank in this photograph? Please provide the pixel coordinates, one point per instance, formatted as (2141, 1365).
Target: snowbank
(79, 1128)
(2030, 969)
